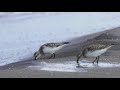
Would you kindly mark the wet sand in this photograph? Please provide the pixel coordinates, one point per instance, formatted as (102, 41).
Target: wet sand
(25, 68)
(94, 73)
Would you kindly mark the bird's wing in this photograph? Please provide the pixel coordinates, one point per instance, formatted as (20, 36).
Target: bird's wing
(53, 44)
(94, 47)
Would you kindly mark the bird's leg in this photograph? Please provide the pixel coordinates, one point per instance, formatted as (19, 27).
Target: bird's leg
(78, 57)
(95, 60)
(98, 59)
(53, 55)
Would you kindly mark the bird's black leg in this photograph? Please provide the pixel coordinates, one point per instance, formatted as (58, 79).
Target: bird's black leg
(35, 55)
(51, 56)
(35, 58)
(78, 57)
(98, 59)
(95, 60)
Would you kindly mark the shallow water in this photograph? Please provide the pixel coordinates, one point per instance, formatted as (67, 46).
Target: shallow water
(70, 66)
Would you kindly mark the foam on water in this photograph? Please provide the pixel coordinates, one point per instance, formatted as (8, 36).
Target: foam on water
(70, 66)
(60, 67)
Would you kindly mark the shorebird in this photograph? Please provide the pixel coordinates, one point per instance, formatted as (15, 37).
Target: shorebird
(94, 50)
(49, 48)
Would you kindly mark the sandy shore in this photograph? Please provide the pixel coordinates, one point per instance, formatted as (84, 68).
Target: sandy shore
(64, 65)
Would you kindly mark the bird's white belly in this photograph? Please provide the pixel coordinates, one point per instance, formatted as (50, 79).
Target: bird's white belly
(95, 53)
(51, 50)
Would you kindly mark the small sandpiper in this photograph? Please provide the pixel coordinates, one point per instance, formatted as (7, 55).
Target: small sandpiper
(49, 48)
(94, 50)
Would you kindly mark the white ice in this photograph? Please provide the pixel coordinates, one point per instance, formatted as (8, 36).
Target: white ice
(21, 34)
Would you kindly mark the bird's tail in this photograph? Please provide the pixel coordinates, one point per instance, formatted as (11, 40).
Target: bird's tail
(66, 42)
(112, 44)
